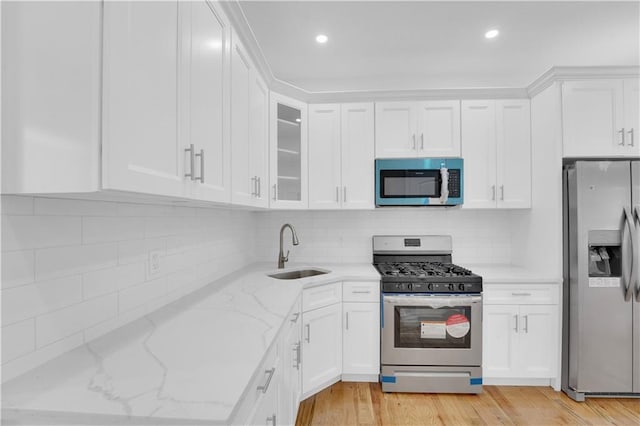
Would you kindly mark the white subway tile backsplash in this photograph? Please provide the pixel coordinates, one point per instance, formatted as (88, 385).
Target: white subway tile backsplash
(64, 207)
(138, 250)
(18, 339)
(17, 268)
(138, 295)
(17, 205)
(28, 301)
(24, 232)
(60, 324)
(64, 261)
(105, 281)
(106, 229)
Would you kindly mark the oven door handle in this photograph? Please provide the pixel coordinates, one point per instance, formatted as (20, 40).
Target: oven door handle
(434, 301)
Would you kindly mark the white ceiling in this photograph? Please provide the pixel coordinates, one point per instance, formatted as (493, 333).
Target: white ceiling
(398, 45)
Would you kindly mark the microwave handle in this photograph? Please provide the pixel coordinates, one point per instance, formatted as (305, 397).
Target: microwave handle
(444, 189)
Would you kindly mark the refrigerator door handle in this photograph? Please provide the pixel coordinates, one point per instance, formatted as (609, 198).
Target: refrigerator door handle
(628, 228)
(635, 244)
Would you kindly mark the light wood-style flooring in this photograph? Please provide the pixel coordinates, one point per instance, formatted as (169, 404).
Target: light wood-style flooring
(366, 404)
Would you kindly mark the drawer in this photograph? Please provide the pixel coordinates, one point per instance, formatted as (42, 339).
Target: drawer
(320, 296)
(361, 291)
(526, 294)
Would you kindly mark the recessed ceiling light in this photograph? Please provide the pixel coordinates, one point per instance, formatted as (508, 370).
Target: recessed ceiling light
(492, 34)
(321, 38)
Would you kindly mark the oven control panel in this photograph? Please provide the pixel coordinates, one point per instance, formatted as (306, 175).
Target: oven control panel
(431, 287)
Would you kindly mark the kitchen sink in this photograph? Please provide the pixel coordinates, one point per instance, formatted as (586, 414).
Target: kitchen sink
(301, 273)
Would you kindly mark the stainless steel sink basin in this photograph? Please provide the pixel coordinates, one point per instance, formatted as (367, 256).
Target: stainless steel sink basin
(294, 275)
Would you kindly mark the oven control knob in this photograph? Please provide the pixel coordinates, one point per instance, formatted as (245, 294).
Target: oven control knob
(430, 286)
(451, 287)
(461, 287)
(409, 286)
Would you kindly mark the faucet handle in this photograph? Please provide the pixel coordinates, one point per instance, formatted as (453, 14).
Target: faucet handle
(286, 257)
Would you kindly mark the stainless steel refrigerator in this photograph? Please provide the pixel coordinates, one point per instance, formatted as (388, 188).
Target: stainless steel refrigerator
(601, 293)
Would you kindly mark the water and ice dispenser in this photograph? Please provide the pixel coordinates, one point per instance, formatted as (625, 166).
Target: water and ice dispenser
(605, 259)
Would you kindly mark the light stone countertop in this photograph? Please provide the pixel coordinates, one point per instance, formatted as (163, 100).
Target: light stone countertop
(510, 274)
(188, 363)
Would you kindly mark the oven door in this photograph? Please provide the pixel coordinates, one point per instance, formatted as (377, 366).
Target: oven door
(432, 330)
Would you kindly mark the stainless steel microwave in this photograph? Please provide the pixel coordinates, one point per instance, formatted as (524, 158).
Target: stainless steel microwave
(419, 182)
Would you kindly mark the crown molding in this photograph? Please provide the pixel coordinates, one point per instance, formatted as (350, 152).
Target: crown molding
(579, 73)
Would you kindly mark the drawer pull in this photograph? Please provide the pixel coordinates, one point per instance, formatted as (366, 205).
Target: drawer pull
(295, 317)
(521, 294)
(264, 387)
(361, 292)
(271, 420)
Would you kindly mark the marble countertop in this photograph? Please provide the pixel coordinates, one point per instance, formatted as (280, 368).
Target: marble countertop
(190, 362)
(510, 274)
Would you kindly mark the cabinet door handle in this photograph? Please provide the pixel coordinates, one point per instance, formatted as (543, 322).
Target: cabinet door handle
(308, 338)
(201, 177)
(631, 134)
(264, 387)
(414, 141)
(493, 192)
(259, 184)
(295, 317)
(501, 192)
(337, 194)
(192, 162)
(526, 324)
(275, 192)
(361, 291)
(296, 354)
(271, 420)
(621, 131)
(516, 327)
(422, 141)
(521, 294)
(347, 322)
(344, 194)
(254, 191)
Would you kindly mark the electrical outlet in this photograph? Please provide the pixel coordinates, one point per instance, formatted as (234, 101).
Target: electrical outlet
(155, 257)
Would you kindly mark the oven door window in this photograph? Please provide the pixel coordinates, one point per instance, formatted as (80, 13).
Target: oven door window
(410, 183)
(427, 327)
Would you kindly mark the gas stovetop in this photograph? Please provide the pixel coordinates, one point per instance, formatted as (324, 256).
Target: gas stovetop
(422, 269)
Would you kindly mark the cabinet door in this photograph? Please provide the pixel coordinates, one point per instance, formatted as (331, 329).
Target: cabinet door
(632, 115)
(592, 118)
(142, 151)
(438, 129)
(325, 189)
(289, 392)
(288, 153)
(357, 147)
(499, 345)
(209, 103)
(321, 348)
(361, 338)
(396, 130)
(259, 138)
(479, 153)
(513, 125)
(538, 341)
(242, 180)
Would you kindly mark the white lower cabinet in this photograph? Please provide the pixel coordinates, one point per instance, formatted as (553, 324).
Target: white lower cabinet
(266, 409)
(291, 364)
(360, 341)
(321, 348)
(521, 327)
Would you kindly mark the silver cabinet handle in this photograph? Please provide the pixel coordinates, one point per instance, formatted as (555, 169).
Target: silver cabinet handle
(621, 131)
(337, 194)
(272, 420)
(501, 192)
(493, 192)
(516, 327)
(414, 141)
(521, 294)
(631, 134)
(192, 161)
(296, 354)
(295, 317)
(259, 185)
(347, 321)
(344, 194)
(308, 338)
(264, 387)
(201, 177)
(361, 291)
(275, 192)
(422, 141)
(526, 324)
(254, 191)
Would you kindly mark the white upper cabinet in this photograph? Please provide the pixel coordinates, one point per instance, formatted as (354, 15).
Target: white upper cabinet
(141, 144)
(51, 96)
(417, 129)
(600, 118)
(288, 153)
(207, 114)
(259, 139)
(496, 146)
(341, 156)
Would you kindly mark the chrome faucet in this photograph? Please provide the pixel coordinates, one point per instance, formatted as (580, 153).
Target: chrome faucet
(281, 257)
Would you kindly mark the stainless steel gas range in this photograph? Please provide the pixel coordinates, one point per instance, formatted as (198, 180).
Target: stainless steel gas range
(431, 337)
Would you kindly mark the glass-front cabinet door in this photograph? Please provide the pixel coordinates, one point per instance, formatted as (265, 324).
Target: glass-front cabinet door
(288, 157)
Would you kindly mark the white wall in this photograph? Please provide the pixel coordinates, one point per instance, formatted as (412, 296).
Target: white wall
(74, 270)
(479, 236)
